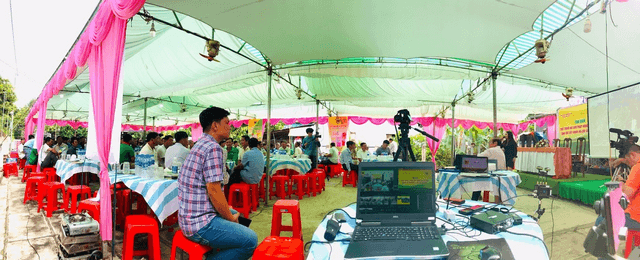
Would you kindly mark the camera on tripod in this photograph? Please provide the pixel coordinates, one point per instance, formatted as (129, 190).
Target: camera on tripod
(402, 117)
(624, 142)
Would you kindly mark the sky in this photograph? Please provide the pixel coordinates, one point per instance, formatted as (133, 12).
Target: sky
(44, 32)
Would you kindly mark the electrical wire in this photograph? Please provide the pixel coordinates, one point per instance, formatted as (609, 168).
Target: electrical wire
(553, 225)
(28, 241)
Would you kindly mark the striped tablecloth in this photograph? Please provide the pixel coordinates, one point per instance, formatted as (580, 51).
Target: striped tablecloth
(523, 247)
(451, 184)
(66, 169)
(302, 166)
(160, 195)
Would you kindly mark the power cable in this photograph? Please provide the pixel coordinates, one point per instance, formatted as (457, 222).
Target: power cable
(27, 227)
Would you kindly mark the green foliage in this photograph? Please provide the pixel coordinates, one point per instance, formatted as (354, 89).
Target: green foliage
(7, 105)
(237, 133)
(18, 120)
(66, 131)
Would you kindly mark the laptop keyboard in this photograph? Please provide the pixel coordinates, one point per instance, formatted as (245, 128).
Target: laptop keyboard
(396, 233)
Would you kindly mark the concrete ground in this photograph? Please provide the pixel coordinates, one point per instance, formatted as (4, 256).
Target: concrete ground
(26, 234)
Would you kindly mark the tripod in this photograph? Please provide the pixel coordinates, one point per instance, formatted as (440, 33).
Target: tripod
(404, 143)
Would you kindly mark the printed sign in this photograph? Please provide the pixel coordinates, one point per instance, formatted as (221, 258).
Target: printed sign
(338, 130)
(256, 128)
(573, 122)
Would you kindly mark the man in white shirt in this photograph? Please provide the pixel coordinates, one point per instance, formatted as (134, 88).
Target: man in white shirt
(161, 150)
(153, 139)
(393, 146)
(243, 147)
(177, 152)
(493, 153)
(48, 155)
(60, 145)
(363, 152)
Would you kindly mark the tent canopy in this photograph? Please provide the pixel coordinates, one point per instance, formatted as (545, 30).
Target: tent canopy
(335, 56)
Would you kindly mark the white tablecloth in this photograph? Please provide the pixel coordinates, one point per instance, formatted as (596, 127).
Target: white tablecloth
(451, 184)
(523, 247)
(529, 161)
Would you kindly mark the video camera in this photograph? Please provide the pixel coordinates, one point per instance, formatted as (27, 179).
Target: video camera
(624, 142)
(402, 116)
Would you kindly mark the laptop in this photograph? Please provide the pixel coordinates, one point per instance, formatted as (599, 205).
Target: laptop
(474, 166)
(396, 203)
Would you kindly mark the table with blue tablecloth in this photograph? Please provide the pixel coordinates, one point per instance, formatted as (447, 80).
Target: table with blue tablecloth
(522, 246)
(66, 169)
(160, 195)
(502, 183)
(302, 166)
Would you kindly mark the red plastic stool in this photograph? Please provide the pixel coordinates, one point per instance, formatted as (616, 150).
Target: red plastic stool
(321, 177)
(28, 170)
(141, 224)
(245, 206)
(290, 207)
(10, 169)
(31, 190)
(72, 196)
(254, 190)
(196, 251)
(347, 178)
(51, 174)
(141, 205)
(21, 163)
(301, 183)
(277, 186)
(92, 207)
(274, 247)
(52, 189)
(334, 170)
(633, 240)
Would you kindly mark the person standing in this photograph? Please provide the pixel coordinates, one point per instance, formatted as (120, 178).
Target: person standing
(28, 146)
(310, 145)
(203, 213)
(493, 153)
(510, 150)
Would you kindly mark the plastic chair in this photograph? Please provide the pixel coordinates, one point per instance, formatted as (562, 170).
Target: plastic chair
(10, 169)
(286, 207)
(261, 191)
(334, 170)
(196, 251)
(28, 170)
(633, 240)
(21, 163)
(280, 183)
(71, 196)
(274, 247)
(31, 190)
(51, 174)
(52, 189)
(243, 207)
(349, 178)
(253, 192)
(301, 183)
(92, 207)
(141, 224)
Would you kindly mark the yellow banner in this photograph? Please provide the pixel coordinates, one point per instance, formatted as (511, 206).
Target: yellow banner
(256, 128)
(338, 129)
(573, 122)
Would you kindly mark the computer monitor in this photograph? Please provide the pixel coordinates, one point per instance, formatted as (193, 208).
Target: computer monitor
(389, 189)
(471, 163)
(492, 166)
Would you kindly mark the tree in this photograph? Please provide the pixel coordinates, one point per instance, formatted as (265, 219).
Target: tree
(7, 105)
(18, 119)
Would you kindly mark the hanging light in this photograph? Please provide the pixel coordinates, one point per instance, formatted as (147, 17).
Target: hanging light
(161, 105)
(61, 95)
(587, 25)
(153, 29)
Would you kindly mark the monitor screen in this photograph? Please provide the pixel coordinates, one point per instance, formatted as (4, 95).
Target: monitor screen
(493, 165)
(474, 164)
(394, 187)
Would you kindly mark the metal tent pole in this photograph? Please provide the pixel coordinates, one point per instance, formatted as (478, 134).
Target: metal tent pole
(144, 129)
(269, 78)
(453, 132)
(317, 115)
(494, 75)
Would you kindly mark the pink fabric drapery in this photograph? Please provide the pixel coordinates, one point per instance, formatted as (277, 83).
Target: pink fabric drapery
(196, 132)
(125, 127)
(437, 128)
(40, 131)
(28, 127)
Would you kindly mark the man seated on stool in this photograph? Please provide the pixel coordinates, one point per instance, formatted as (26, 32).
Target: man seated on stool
(252, 166)
(346, 157)
(493, 153)
(203, 214)
(332, 156)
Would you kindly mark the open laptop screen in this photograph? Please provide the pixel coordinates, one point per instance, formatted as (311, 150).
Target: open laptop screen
(394, 188)
(474, 164)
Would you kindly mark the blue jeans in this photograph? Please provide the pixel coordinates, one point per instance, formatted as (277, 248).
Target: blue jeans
(235, 241)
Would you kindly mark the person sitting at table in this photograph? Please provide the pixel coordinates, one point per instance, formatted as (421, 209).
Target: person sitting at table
(261, 148)
(284, 147)
(332, 156)
(28, 146)
(363, 152)
(384, 149)
(393, 146)
(297, 151)
(232, 151)
(252, 166)
(493, 153)
(73, 148)
(346, 157)
(177, 152)
(82, 141)
(126, 151)
(161, 150)
(150, 148)
(60, 146)
(244, 147)
(203, 213)
(48, 155)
